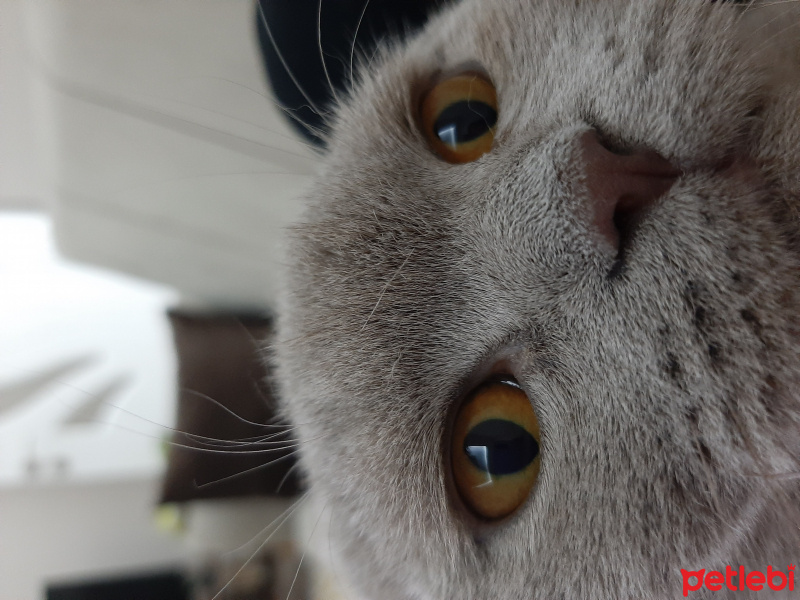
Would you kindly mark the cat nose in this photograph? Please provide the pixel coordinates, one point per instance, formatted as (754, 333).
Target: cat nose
(621, 186)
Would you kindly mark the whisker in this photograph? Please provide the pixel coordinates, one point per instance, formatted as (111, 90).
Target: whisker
(210, 441)
(217, 442)
(304, 497)
(253, 439)
(322, 54)
(287, 448)
(245, 441)
(791, 475)
(765, 43)
(230, 412)
(162, 182)
(355, 37)
(283, 518)
(262, 347)
(174, 122)
(267, 28)
(305, 550)
(289, 111)
(386, 287)
(284, 428)
(257, 344)
(754, 6)
(375, 51)
(291, 443)
(775, 3)
(267, 97)
(234, 445)
(286, 477)
(294, 447)
(749, 5)
(201, 486)
(767, 23)
(339, 580)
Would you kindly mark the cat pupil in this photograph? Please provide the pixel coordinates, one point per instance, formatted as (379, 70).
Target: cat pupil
(464, 121)
(500, 447)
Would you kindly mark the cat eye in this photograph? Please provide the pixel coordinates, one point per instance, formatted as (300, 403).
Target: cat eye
(495, 452)
(458, 116)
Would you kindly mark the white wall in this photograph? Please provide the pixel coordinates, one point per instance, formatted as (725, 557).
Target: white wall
(20, 163)
(53, 533)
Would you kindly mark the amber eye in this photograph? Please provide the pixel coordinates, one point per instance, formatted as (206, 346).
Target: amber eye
(495, 450)
(458, 116)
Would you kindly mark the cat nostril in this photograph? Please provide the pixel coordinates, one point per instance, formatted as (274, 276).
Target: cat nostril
(621, 186)
(611, 146)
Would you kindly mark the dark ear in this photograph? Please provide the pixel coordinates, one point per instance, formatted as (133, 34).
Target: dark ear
(290, 33)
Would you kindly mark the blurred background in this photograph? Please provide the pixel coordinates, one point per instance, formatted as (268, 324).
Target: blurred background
(145, 179)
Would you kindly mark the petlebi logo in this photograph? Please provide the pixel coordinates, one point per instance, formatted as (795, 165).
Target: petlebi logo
(738, 579)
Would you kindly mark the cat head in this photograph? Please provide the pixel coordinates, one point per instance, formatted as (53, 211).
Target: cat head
(623, 252)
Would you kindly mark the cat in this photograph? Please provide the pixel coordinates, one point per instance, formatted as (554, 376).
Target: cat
(583, 208)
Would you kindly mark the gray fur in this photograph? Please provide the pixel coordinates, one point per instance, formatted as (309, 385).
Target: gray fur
(667, 393)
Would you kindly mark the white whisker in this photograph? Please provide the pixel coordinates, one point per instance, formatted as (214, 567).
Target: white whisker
(269, 130)
(229, 411)
(289, 443)
(386, 287)
(355, 37)
(305, 550)
(234, 446)
(765, 43)
(322, 54)
(291, 510)
(289, 111)
(197, 437)
(171, 180)
(286, 477)
(200, 486)
(267, 28)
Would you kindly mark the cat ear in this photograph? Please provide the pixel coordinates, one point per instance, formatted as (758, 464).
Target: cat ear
(309, 48)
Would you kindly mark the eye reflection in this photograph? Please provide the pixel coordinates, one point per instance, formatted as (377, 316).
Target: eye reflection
(464, 121)
(500, 447)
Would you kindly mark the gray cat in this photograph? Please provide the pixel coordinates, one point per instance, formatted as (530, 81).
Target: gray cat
(541, 335)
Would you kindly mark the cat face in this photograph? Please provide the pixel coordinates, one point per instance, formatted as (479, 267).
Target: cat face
(660, 353)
